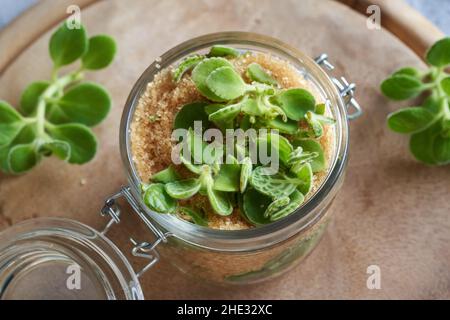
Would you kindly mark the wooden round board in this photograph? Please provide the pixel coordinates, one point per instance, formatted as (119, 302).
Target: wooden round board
(391, 212)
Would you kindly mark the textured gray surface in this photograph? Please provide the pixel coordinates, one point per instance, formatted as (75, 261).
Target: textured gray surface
(12, 8)
(438, 11)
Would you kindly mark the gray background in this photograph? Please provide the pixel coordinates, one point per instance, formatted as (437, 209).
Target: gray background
(437, 11)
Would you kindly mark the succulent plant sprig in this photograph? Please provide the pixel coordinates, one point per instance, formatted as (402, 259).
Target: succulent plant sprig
(428, 123)
(55, 116)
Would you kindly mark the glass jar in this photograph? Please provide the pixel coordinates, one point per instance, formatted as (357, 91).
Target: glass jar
(223, 257)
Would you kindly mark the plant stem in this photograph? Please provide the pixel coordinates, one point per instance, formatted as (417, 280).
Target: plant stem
(56, 86)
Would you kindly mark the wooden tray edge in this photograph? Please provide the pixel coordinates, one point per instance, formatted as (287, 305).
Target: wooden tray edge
(30, 25)
(398, 17)
(405, 22)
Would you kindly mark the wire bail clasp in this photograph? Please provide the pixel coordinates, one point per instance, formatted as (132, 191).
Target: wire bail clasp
(346, 89)
(143, 249)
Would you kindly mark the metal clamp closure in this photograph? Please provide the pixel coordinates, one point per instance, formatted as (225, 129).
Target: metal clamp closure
(346, 89)
(142, 249)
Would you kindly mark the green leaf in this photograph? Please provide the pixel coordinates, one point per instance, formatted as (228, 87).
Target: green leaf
(276, 205)
(401, 87)
(275, 144)
(61, 149)
(100, 53)
(295, 102)
(22, 158)
(422, 144)
(30, 96)
(410, 120)
(256, 73)
(187, 64)
(320, 109)
(305, 174)
(246, 172)
(11, 123)
(203, 70)
(445, 84)
(67, 45)
(226, 113)
(157, 199)
(273, 185)
(439, 54)
(183, 189)
(228, 178)
(86, 103)
(409, 71)
(219, 201)
(196, 217)
(212, 108)
(189, 113)
(441, 148)
(288, 127)
(296, 200)
(226, 83)
(223, 51)
(253, 206)
(167, 175)
(83, 144)
(318, 163)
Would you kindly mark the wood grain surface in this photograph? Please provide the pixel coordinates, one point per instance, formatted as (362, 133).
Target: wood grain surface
(392, 211)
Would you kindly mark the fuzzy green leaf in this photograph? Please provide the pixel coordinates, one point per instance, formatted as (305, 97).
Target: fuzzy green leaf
(67, 45)
(276, 145)
(100, 53)
(295, 102)
(228, 178)
(30, 96)
(196, 217)
(253, 206)
(83, 144)
(318, 163)
(183, 189)
(226, 83)
(11, 123)
(276, 205)
(445, 84)
(421, 144)
(401, 87)
(157, 199)
(201, 73)
(296, 199)
(61, 149)
(189, 113)
(226, 113)
(288, 127)
(305, 174)
(22, 158)
(223, 51)
(87, 103)
(167, 175)
(256, 73)
(439, 54)
(409, 71)
(441, 150)
(246, 172)
(410, 120)
(272, 185)
(219, 201)
(187, 64)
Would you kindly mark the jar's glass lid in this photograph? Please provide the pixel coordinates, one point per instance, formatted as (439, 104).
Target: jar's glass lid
(54, 258)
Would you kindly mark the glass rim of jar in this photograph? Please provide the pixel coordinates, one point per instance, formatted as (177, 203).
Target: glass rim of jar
(262, 236)
(115, 275)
